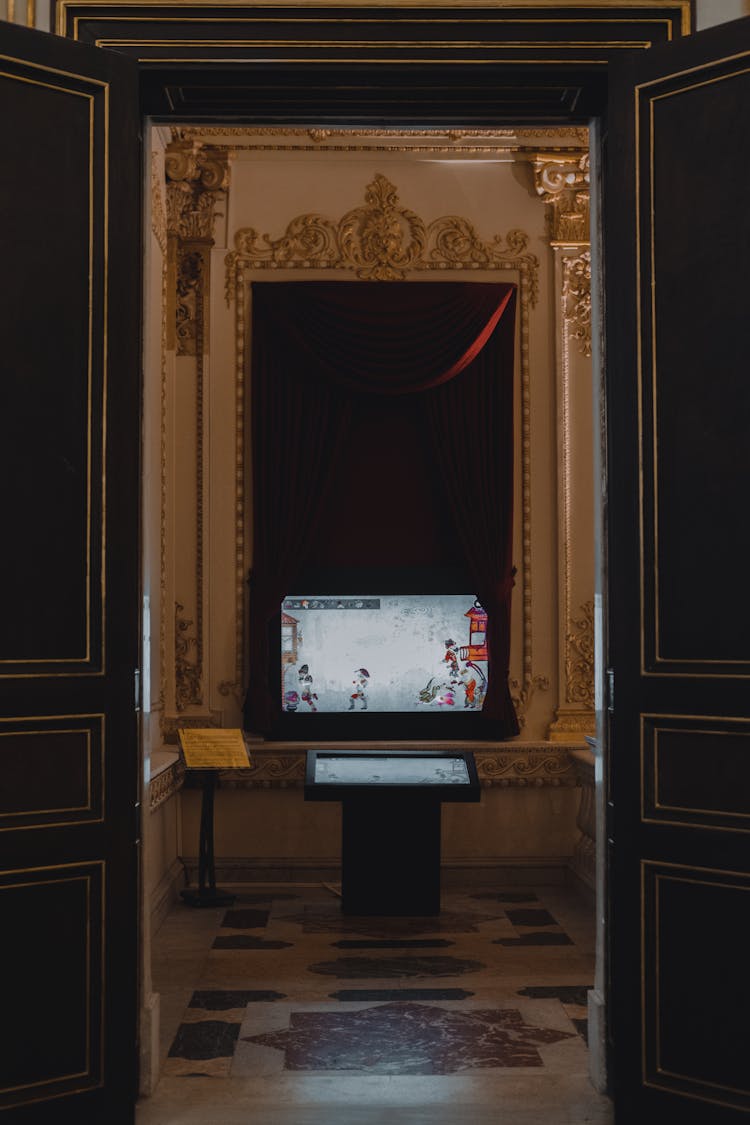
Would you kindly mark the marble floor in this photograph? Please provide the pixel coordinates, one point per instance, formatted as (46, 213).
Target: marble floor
(279, 1010)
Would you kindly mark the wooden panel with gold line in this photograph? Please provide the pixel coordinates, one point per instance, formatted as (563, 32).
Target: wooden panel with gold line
(694, 771)
(321, 62)
(54, 1044)
(694, 958)
(54, 374)
(53, 771)
(693, 391)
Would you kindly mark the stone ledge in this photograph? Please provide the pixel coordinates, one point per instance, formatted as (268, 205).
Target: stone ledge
(528, 765)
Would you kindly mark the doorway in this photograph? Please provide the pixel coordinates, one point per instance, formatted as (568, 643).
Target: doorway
(523, 196)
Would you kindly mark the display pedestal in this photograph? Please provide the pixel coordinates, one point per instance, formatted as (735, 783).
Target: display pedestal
(391, 804)
(390, 855)
(207, 893)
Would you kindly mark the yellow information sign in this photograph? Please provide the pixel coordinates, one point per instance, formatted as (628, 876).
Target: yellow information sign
(213, 748)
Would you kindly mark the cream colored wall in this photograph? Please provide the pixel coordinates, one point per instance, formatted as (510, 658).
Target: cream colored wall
(197, 521)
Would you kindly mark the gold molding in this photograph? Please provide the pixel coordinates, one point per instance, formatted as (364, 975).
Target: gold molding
(158, 206)
(383, 240)
(576, 295)
(562, 182)
(187, 673)
(172, 723)
(165, 784)
(579, 657)
(506, 139)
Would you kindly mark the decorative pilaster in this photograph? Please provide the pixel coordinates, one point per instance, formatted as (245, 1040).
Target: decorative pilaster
(561, 181)
(196, 183)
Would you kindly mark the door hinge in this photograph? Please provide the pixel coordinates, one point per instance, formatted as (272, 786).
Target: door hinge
(137, 688)
(611, 690)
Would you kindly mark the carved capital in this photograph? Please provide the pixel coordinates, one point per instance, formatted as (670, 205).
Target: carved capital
(197, 177)
(562, 182)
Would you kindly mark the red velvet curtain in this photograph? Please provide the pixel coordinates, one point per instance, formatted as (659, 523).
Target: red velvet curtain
(317, 347)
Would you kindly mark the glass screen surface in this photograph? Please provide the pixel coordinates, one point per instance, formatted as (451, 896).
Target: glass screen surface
(392, 653)
(380, 770)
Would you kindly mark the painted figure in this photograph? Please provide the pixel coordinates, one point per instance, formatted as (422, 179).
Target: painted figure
(307, 694)
(451, 659)
(360, 681)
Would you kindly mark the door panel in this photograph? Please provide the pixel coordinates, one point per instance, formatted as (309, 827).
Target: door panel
(69, 570)
(678, 401)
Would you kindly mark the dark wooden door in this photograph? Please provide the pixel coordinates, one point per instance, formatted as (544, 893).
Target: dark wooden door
(677, 239)
(70, 364)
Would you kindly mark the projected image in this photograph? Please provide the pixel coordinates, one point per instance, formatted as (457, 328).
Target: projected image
(383, 654)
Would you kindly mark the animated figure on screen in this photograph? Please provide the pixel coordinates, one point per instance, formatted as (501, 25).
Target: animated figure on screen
(360, 682)
(451, 659)
(307, 694)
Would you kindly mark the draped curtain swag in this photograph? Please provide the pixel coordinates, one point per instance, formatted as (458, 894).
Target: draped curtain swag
(316, 347)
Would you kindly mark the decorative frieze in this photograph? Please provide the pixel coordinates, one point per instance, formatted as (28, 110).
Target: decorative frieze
(579, 657)
(165, 784)
(534, 765)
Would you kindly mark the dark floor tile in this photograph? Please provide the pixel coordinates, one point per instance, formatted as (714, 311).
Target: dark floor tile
(219, 1000)
(406, 1038)
(354, 968)
(362, 994)
(542, 938)
(269, 896)
(209, 1039)
(248, 941)
(329, 919)
(244, 919)
(531, 918)
(404, 943)
(506, 896)
(565, 993)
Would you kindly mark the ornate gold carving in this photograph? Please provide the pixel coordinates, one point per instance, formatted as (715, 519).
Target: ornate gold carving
(577, 299)
(197, 177)
(188, 673)
(381, 241)
(562, 182)
(572, 724)
(189, 303)
(166, 784)
(522, 692)
(158, 208)
(579, 657)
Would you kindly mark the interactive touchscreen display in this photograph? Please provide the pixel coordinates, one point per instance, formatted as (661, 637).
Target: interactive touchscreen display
(422, 769)
(383, 653)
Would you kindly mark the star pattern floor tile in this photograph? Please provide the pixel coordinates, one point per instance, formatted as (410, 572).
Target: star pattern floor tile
(483, 987)
(409, 1038)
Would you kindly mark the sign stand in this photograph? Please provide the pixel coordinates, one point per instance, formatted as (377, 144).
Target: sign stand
(206, 752)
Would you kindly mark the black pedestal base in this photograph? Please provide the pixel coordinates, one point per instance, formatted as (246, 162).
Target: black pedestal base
(390, 855)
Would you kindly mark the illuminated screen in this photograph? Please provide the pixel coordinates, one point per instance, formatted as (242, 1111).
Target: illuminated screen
(381, 654)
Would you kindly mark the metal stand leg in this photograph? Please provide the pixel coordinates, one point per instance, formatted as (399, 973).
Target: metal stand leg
(207, 894)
